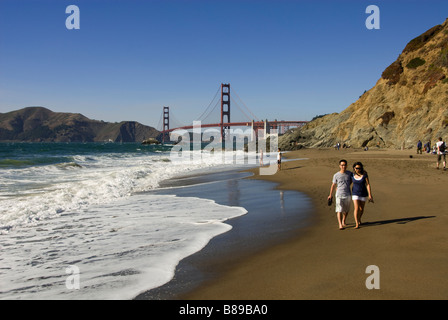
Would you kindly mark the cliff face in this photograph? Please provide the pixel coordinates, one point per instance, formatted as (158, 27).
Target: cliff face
(37, 124)
(408, 103)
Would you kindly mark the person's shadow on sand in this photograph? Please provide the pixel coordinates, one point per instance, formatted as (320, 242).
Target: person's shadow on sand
(398, 221)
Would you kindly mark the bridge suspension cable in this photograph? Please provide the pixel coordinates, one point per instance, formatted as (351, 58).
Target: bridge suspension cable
(224, 103)
(201, 118)
(159, 125)
(253, 116)
(212, 111)
(248, 118)
(175, 121)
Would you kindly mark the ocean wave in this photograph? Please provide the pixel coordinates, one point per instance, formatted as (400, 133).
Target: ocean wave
(36, 193)
(69, 165)
(33, 161)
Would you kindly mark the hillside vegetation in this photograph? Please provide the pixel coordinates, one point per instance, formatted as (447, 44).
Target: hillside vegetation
(408, 103)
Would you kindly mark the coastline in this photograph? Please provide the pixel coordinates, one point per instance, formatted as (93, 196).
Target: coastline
(273, 216)
(403, 234)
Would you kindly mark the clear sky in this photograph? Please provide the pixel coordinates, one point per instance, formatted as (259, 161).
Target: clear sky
(286, 59)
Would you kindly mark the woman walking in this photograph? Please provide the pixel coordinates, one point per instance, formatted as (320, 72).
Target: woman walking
(361, 191)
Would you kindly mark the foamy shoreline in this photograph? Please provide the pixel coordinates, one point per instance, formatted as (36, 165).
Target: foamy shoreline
(266, 223)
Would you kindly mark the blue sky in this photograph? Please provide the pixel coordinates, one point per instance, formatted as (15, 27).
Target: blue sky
(286, 59)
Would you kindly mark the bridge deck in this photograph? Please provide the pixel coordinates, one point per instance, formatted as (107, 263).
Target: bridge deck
(257, 124)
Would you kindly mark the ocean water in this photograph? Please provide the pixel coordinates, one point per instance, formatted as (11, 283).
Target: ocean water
(78, 221)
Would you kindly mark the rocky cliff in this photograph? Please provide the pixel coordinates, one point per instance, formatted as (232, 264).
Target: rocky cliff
(408, 103)
(38, 124)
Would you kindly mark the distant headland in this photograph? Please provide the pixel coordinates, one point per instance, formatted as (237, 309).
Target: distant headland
(39, 124)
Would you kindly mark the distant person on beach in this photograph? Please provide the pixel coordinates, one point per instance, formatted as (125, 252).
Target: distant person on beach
(441, 153)
(428, 147)
(361, 191)
(279, 160)
(419, 147)
(341, 182)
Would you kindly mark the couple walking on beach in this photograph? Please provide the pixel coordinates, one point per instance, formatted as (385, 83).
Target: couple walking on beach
(360, 193)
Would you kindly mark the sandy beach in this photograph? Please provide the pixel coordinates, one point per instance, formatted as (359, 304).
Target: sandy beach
(273, 216)
(404, 233)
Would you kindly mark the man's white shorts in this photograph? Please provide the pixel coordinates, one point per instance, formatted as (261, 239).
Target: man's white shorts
(343, 204)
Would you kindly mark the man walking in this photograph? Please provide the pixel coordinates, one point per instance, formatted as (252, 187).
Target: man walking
(342, 181)
(419, 147)
(441, 152)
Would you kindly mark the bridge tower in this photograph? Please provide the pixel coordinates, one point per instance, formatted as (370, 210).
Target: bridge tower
(166, 124)
(225, 108)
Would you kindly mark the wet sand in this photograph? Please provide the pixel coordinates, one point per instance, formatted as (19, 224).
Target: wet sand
(273, 217)
(404, 233)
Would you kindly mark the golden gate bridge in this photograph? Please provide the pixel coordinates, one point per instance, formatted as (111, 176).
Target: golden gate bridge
(224, 123)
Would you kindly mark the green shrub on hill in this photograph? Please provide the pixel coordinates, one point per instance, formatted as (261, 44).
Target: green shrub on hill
(415, 63)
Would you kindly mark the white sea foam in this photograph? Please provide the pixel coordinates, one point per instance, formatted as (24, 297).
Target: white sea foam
(92, 213)
(120, 249)
(32, 194)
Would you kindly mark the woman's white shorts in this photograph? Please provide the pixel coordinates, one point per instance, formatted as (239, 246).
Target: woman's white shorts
(359, 198)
